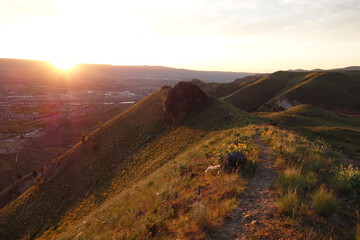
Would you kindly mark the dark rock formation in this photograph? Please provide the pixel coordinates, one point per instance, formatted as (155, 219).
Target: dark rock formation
(184, 99)
(234, 161)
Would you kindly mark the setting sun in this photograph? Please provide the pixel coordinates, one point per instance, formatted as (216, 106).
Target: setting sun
(63, 64)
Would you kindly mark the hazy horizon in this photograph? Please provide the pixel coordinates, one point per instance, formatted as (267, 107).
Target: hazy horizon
(227, 35)
(186, 69)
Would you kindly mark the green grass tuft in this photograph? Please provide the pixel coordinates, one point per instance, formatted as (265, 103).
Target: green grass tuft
(288, 202)
(324, 202)
(347, 179)
(291, 180)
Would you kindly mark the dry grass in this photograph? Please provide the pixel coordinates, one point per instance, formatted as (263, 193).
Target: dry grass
(190, 202)
(291, 180)
(324, 202)
(305, 166)
(288, 202)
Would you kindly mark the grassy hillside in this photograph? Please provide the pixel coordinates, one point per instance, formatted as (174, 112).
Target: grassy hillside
(15, 176)
(224, 89)
(140, 177)
(112, 158)
(341, 131)
(334, 90)
(257, 93)
(194, 203)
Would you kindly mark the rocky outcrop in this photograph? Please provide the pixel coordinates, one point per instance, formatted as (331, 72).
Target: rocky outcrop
(183, 100)
(284, 103)
(234, 161)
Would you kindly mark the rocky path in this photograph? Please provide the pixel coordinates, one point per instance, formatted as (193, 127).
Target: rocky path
(255, 204)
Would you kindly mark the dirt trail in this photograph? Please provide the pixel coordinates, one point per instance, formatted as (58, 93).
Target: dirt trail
(247, 220)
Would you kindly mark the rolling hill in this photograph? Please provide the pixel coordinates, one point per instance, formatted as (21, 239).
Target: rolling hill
(113, 157)
(223, 89)
(341, 131)
(336, 91)
(144, 175)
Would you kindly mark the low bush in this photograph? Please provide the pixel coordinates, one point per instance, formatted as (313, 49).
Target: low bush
(250, 167)
(200, 215)
(324, 202)
(347, 179)
(291, 179)
(288, 202)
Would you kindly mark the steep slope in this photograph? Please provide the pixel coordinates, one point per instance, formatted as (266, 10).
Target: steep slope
(112, 158)
(190, 197)
(255, 94)
(334, 90)
(341, 131)
(85, 170)
(58, 137)
(223, 89)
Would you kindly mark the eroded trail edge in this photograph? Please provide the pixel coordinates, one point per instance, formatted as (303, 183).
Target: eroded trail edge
(255, 203)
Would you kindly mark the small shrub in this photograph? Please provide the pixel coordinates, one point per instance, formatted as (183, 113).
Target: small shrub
(291, 180)
(324, 202)
(200, 215)
(40, 181)
(288, 202)
(250, 167)
(311, 180)
(314, 165)
(348, 179)
(83, 137)
(183, 169)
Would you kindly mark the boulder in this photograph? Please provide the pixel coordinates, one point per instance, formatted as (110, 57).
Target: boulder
(183, 100)
(235, 161)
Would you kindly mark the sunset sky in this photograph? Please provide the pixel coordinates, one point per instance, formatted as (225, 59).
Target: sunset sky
(228, 35)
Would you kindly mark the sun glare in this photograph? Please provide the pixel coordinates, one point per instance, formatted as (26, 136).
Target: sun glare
(63, 64)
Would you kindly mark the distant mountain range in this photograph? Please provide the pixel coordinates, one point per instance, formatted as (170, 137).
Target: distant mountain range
(42, 68)
(351, 68)
(11, 67)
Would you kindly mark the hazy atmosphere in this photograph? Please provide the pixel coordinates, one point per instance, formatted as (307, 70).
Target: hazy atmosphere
(189, 120)
(227, 35)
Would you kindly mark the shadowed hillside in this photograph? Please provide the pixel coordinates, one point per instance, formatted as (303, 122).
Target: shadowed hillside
(223, 89)
(334, 91)
(255, 94)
